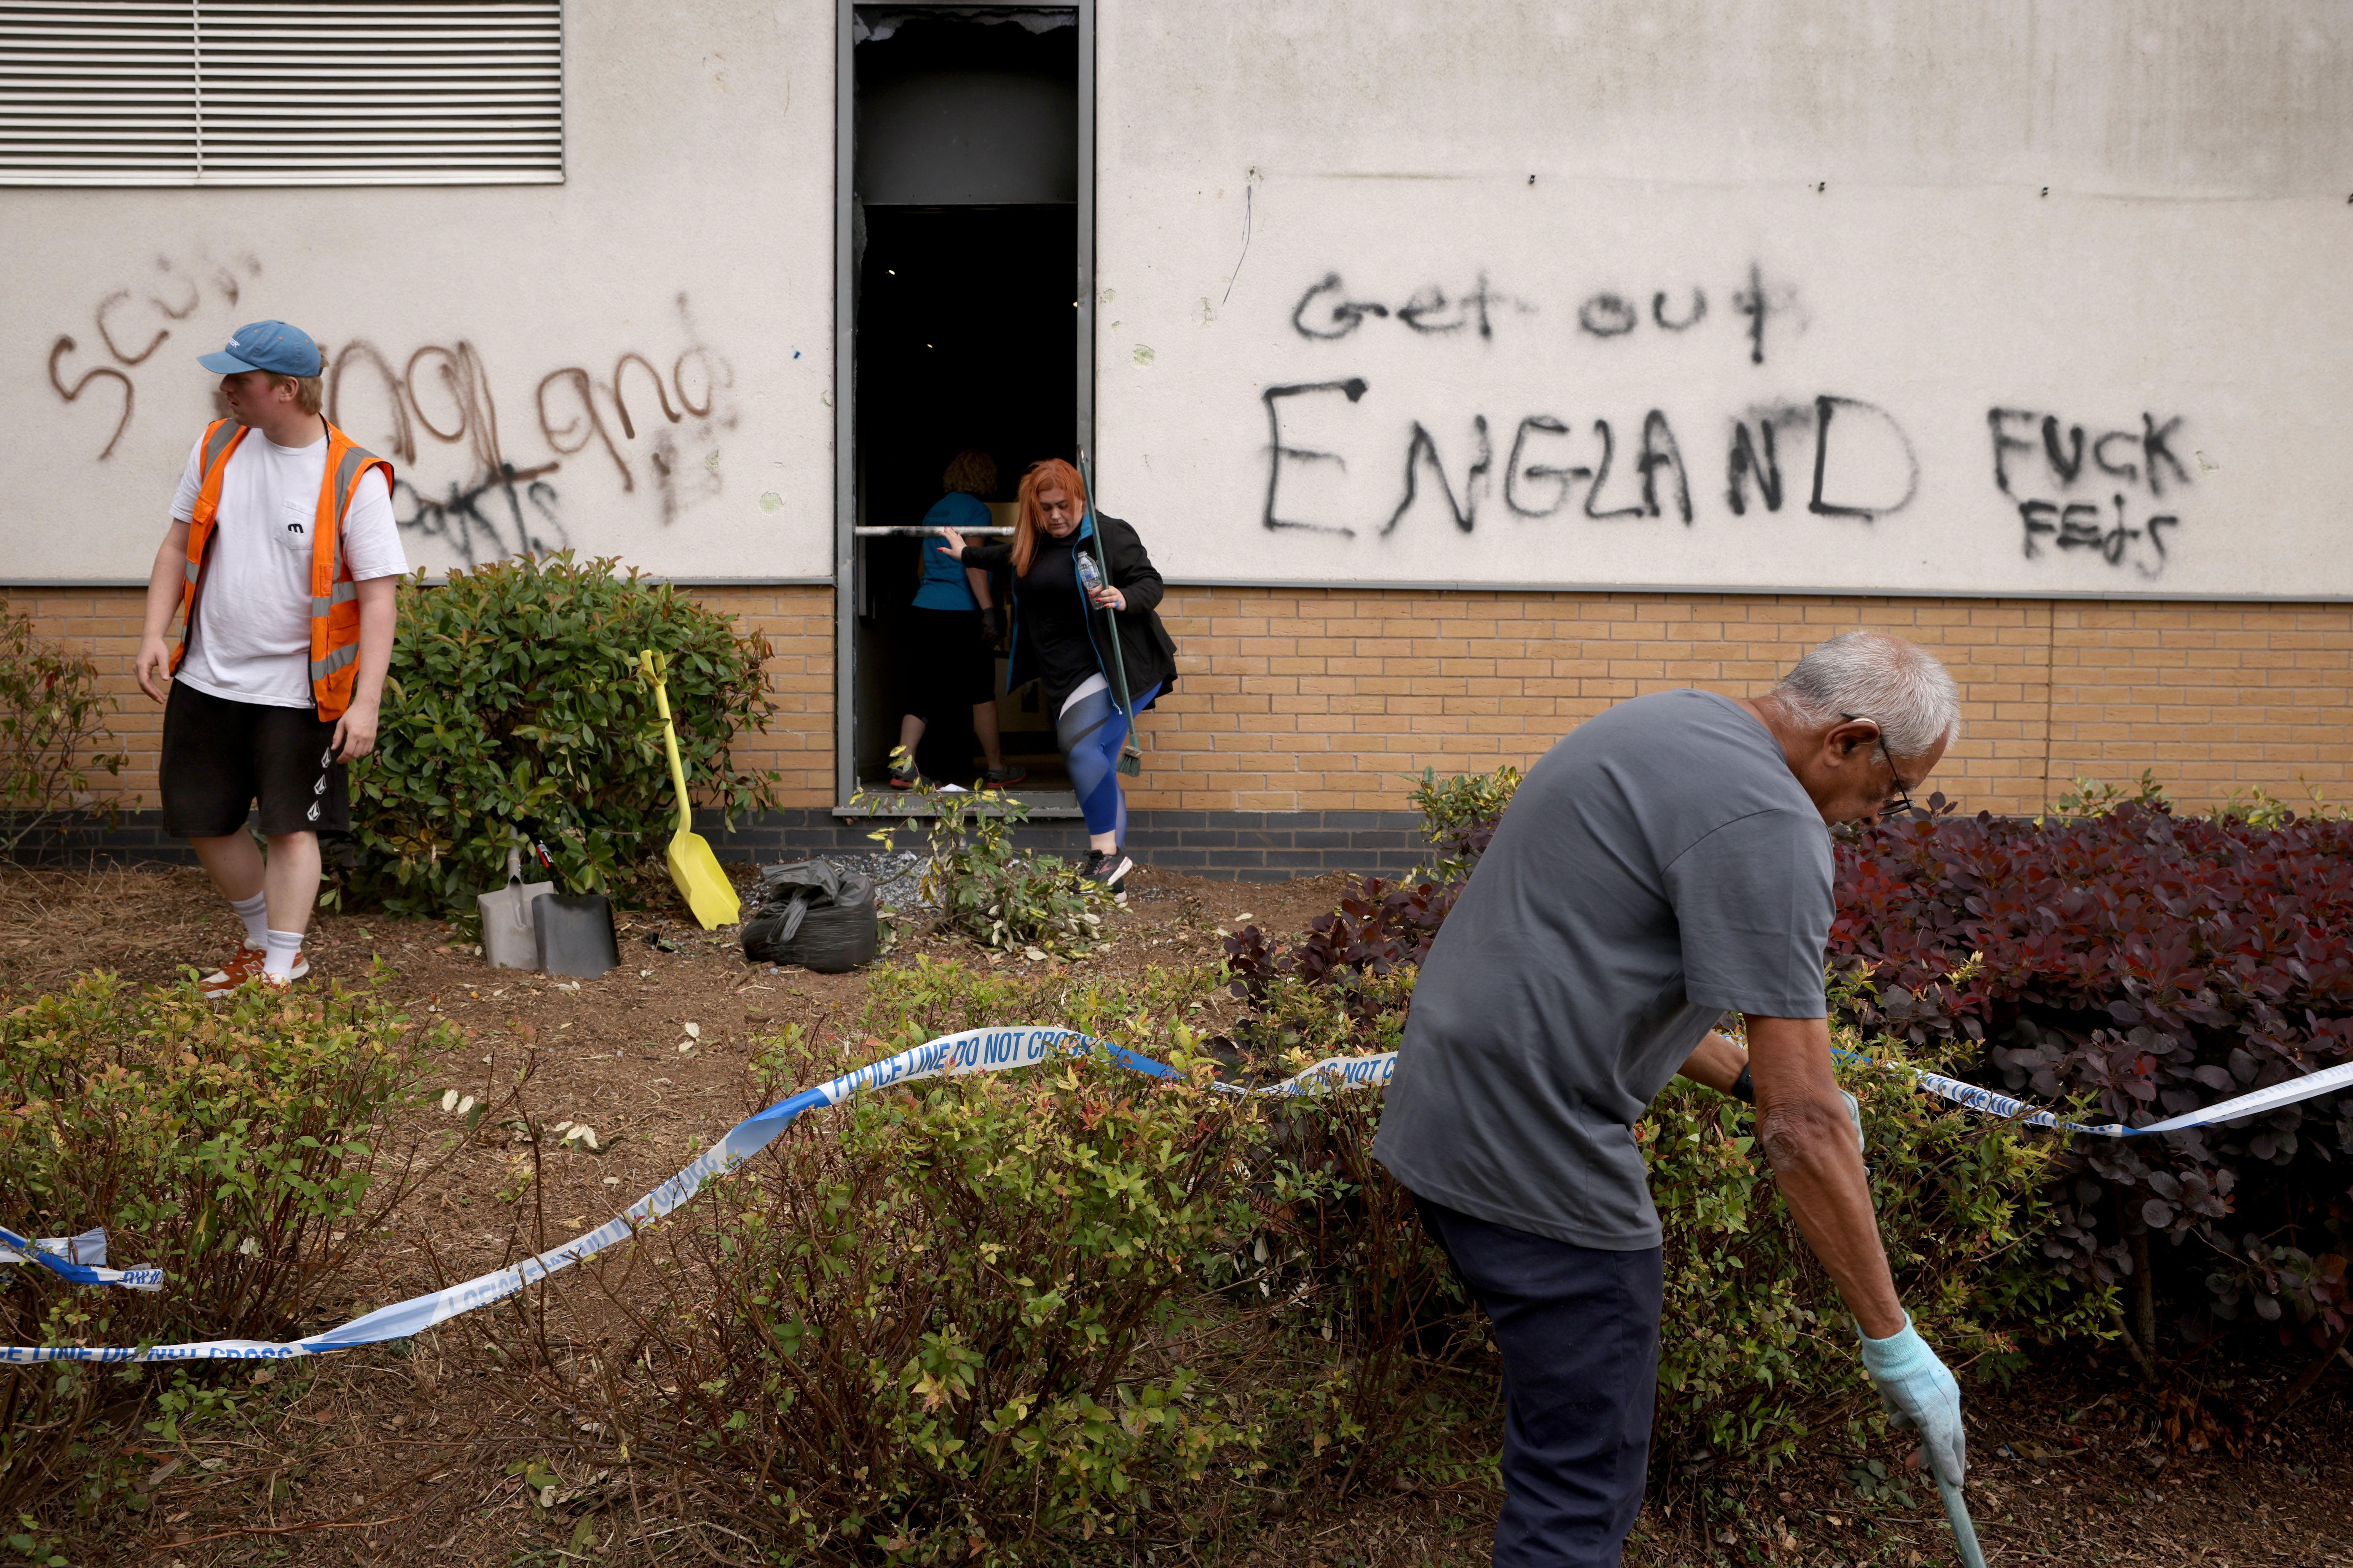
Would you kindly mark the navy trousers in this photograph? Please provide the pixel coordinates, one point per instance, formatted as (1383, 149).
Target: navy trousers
(1580, 1333)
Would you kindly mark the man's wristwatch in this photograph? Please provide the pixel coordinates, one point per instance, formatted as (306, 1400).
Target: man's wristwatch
(1743, 1088)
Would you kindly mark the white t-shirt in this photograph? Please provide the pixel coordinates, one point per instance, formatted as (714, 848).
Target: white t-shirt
(252, 637)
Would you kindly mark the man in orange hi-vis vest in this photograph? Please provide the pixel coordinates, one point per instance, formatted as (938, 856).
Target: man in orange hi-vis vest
(284, 555)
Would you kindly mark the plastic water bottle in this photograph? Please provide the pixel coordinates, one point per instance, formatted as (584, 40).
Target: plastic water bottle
(1091, 579)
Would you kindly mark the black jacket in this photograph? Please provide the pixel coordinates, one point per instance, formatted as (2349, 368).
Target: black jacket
(1147, 650)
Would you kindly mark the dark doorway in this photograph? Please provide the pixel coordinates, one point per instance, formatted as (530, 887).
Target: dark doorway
(966, 335)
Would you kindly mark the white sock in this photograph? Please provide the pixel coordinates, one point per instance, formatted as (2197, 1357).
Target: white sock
(284, 947)
(254, 913)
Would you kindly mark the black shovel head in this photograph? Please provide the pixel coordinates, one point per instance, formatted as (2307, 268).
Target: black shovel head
(575, 932)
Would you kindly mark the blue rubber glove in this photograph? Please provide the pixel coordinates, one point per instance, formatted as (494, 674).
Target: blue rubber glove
(1921, 1395)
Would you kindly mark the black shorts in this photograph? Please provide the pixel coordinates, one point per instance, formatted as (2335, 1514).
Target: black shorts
(950, 668)
(219, 756)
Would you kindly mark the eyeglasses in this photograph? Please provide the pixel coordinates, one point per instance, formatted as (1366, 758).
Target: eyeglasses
(1900, 801)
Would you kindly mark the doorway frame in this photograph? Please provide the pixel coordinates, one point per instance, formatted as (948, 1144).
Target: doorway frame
(845, 337)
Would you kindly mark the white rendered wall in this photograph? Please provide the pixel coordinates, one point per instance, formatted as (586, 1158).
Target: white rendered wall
(1354, 260)
(501, 345)
(1868, 179)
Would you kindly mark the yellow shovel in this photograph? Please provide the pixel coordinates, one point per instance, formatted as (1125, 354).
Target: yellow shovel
(692, 865)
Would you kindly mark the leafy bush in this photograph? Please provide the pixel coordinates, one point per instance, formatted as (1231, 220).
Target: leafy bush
(2258, 807)
(1349, 1316)
(516, 706)
(1377, 930)
(1459, 814)
(1760, 1343)
(1339, 1254)
(2092, 797)
(2148, 964)
(235, 1146)
(2116, 953)
(51, 713)
(937, 1325)
(988, 890)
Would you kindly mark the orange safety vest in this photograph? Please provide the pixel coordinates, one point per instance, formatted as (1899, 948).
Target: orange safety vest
(334, 597)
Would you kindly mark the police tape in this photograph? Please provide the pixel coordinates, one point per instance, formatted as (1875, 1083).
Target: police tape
(2276, 1097)
(80, 1258)
(951, 1056)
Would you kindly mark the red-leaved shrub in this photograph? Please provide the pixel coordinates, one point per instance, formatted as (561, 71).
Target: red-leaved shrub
(2134, 964)
(1378, 928)
(2147, 964)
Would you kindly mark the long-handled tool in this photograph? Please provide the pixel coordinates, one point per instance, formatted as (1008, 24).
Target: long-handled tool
(1131, 755)
(1957, 1515)
(705, 887)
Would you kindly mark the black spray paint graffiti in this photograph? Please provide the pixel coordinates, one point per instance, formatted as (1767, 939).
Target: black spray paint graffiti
(1326, 312)
(1527, 480)
(468, 524)
(2052, 462)
(1754, 458)
(1869, 471)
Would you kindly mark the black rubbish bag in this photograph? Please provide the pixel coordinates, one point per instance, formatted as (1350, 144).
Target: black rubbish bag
(815, 914)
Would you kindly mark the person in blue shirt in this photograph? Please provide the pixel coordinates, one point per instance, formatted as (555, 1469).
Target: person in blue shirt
(954, 631)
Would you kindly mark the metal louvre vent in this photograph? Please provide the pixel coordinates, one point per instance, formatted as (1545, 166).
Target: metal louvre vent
(201, 92)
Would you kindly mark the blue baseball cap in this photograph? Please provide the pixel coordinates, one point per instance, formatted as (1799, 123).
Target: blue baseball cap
(273, 346)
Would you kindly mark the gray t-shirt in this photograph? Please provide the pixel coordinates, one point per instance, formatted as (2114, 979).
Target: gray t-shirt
(1658, 868)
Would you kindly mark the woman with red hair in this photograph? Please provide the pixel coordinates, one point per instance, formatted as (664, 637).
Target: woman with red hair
(1063, 639)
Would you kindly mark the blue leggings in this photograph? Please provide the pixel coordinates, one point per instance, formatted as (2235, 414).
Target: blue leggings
(1089, 730)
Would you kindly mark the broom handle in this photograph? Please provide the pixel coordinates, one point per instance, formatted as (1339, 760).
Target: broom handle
(655, 668)
(1103, 559)
(1965, 1533)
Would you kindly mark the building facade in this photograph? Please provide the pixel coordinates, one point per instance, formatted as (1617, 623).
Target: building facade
(1465, 373)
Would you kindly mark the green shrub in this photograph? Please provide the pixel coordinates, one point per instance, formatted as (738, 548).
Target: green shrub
(986, 889)
(1757, 1334)
(236, 1146)
(2258, 807)
(51, 713)
(1459, 814)
(1044, 1317)
(2092, 797)
(516, 706)
(1380, 1376)
(1757, 1340)
(935, 1325)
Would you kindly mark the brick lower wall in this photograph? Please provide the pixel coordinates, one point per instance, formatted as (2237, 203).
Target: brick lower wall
(1299, 702)
(1295, 700)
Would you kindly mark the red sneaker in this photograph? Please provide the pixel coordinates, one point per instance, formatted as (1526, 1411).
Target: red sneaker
(248, 965)
(239, 969)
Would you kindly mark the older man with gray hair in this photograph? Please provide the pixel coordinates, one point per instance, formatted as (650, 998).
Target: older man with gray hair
(1666, 864)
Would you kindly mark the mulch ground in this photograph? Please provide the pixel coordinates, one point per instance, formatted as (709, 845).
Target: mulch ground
(417, 1453)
